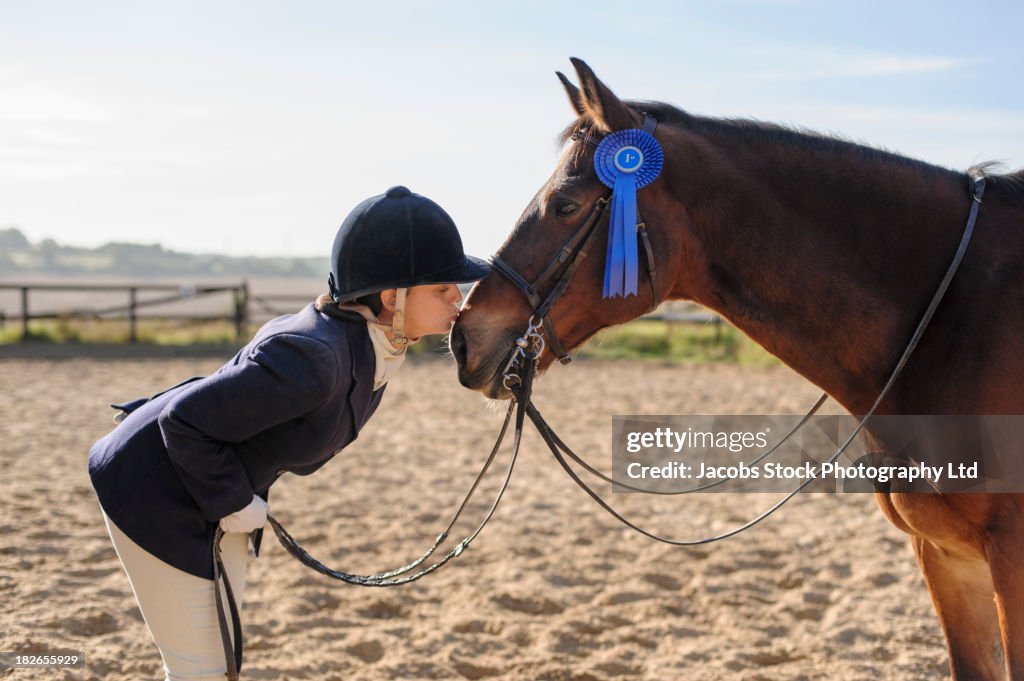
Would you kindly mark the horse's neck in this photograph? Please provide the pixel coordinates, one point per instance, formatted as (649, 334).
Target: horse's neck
(826, 262)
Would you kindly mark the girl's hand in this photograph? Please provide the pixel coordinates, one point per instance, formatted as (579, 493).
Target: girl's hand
(252, 517)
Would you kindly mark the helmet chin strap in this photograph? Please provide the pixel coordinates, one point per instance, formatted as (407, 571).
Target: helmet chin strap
(398, 320)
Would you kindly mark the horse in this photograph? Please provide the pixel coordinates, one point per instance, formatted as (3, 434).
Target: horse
(825, 252)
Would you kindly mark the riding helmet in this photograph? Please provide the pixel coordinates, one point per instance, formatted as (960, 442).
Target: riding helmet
(396, 240)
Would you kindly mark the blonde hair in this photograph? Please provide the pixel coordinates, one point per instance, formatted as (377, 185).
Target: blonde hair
(326, 304)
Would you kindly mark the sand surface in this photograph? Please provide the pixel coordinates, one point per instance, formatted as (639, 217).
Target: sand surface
(553, 589)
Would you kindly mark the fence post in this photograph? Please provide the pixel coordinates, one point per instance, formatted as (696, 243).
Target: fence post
(24, 313)
(241, 310)
(132, 299)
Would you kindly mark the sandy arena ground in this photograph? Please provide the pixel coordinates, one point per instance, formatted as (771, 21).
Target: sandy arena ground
(553, 589)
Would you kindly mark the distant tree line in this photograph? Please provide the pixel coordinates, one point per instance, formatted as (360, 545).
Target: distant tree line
(18, 255)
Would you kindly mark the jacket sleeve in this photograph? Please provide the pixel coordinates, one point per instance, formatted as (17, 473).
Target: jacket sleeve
(282, 378)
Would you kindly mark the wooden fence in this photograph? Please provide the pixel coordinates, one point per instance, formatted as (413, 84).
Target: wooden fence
(693, 316)
(242, 303)
(135, 308)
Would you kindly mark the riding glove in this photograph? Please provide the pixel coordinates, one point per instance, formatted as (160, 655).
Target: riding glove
(252, 517)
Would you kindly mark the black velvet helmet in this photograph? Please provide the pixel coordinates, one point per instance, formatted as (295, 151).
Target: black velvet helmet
(396, 240)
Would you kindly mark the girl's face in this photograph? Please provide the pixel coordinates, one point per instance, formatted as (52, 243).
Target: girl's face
(431, 309)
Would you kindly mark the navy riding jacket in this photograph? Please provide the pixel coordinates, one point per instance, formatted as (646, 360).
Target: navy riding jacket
(185, 458)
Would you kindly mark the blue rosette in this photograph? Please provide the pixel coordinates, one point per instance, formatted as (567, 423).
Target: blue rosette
(625, 160)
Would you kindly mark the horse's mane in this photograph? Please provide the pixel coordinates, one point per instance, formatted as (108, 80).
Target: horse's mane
(1012, 184)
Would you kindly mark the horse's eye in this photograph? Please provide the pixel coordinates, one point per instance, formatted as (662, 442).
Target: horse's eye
(566, 208)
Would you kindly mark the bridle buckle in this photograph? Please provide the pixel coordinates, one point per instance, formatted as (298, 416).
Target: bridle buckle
(531, 342)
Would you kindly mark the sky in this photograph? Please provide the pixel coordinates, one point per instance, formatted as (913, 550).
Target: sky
(252, 128)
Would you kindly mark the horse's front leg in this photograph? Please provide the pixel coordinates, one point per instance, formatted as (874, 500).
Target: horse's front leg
(1005, 552)
(961, 589)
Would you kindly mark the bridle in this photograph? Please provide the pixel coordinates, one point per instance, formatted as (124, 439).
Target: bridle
(569, 257)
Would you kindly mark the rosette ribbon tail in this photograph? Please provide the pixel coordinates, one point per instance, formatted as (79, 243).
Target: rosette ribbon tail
(621, 272)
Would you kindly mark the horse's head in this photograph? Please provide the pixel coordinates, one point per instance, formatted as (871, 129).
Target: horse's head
(561, 219)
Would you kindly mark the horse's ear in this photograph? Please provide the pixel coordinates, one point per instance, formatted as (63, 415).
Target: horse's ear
(601, 104)
(574, 93)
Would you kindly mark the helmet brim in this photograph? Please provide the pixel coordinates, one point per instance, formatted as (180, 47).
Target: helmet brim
(470, 269)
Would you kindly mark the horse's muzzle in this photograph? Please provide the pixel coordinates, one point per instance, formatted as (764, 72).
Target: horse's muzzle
(484, 377)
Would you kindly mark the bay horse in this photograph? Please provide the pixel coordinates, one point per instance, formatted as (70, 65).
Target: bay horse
(826, 253)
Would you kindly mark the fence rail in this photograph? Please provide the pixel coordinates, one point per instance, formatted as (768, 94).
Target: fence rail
(671, 317)
(243, 302)
(239, 295)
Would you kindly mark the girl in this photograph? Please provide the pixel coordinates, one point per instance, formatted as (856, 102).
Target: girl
(206, 451)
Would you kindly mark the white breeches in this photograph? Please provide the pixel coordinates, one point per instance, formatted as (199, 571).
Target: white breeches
(179, 608)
